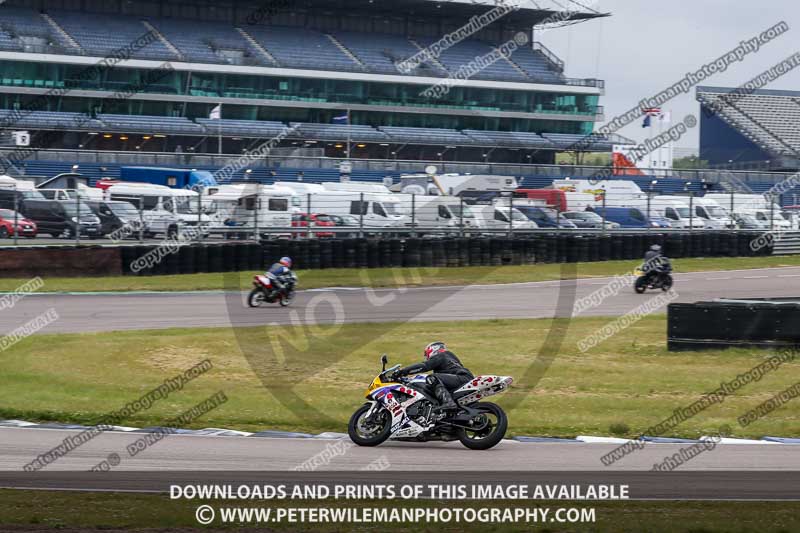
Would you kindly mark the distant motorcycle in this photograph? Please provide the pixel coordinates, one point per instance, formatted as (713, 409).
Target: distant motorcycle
(405, 409)
(266, 292)
(658, 279)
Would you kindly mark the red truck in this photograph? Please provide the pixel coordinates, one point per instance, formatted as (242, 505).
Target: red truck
(552, 197)
(558, 199)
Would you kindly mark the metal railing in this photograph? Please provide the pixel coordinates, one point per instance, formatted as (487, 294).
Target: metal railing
(549, 55)
(261, 213)
(392, 167)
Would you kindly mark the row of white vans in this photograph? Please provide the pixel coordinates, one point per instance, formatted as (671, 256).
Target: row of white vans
(223, 207)
(375, 206)
(272, 206)
(711, 211)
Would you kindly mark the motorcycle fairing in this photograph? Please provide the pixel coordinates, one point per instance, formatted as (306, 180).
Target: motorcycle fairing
(264, 280)
(481, 387)
(402, 425)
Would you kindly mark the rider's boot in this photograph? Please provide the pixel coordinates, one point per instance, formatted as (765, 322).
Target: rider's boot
(444, 398)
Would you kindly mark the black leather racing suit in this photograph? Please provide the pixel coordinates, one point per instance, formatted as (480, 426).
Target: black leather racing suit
(448, 375)
(655, 263)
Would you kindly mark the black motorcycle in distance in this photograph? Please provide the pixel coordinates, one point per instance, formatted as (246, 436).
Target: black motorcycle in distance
(659, 278)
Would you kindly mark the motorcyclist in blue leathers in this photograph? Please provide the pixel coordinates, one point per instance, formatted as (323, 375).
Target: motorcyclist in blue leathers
(281, 273)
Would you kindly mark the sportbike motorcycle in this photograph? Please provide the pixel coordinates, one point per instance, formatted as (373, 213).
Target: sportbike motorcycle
(406, 409)
(658, 279)
(266, 292)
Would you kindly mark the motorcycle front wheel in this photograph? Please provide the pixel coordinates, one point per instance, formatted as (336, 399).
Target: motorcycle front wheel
(369, 432)
(256, 298)
(287, 299)
(487, 429)
(641, 285)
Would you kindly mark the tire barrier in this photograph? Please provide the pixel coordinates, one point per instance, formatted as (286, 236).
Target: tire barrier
(555, 247)
(186, 259)
(733, 324)
(26, 262)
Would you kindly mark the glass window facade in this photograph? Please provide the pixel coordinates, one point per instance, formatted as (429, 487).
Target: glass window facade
(312, 90)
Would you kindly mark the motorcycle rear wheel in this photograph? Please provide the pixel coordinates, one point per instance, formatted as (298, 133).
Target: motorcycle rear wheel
(256, 298)
(486, 434)
(370, 433)
(666, 282)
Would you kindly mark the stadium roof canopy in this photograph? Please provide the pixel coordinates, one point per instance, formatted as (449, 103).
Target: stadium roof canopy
(531, 12)
(767, 118)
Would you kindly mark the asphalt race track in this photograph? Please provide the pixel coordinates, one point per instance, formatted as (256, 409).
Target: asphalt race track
(109, 312)
(731, 471)
(18, 446)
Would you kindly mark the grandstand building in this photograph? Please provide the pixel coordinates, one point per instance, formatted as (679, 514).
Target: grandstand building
(321, 77)
(750, 129)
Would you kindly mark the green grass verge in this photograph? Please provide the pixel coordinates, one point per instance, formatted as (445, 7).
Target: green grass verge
(70, 511)
(623, 386)
(391, 277)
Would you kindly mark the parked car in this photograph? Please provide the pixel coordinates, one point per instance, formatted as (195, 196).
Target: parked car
(748, 221)
(302, 220)
(588, 220)
(343, 221)
(546, 217)
(631, 217)
(116, 215)
(63, 218)
(24, 226)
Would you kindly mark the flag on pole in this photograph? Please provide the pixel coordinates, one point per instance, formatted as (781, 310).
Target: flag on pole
(342, 119)
(648, 114)
(216, 113)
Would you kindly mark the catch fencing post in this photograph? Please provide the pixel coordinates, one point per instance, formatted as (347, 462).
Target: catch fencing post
(16, 223)
(461, 210)
(77, 219)
(361, 216)
(256, 235)
(413, 215)
(604, 211)
(732, 203)
(200, 215)
(691, 211)
(771, 212)
(141, 221)
(510, 216)
(308, 216)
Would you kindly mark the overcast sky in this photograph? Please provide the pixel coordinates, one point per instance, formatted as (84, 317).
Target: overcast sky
(646, 46)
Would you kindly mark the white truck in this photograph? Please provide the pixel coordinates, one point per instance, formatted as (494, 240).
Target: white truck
(496, 218)
(440, 213)
(375, 204)
(83, 191)
(156, 204)
(613, 190)
(756, 205)
(713, 215)
(302, 191)
(677, 211)
(772, 219)
(233, 207)
(472, 184)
